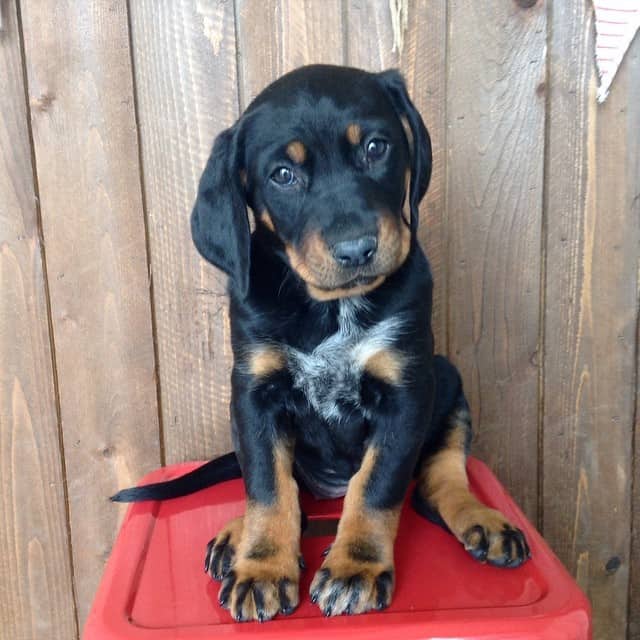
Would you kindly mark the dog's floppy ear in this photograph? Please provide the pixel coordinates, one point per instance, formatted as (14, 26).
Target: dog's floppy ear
(396, 89)
(219, 221)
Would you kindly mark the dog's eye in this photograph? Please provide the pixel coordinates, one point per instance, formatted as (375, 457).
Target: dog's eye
(376, 148)
(284, 177)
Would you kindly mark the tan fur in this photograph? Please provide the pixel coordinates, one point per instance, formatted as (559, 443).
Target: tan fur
(267, 221)
(394, 240)
(407, 132)
(354, 133)
(296, 151)
(298, 264)
(444, 484)
(405, 243)
(360, 526)
(314, 263)
(443, 480)
(221, 550)
(386, 365)
(233, 529)
(406, 211)
(265, 360)
(243, 177)
(324, 295)
(359, 521)
(277, 528)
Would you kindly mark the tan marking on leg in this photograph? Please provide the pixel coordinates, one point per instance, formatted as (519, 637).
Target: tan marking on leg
(278, 524)
(361, 555)
(267, 221)
(359, 521)
(444, 485)
(243, 177)
(443, 482)
(221, 551)
(269, 549)
(386, 365)
(265, 360)
(354, 133)
(297, 151)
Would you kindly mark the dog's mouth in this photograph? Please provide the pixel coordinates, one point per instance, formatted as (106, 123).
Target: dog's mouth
(358, 281)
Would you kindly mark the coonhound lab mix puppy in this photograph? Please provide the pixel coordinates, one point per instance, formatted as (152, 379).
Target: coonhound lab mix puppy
(335, 386)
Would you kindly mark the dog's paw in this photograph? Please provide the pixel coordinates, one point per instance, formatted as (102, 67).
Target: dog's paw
(351, 587)
(221, 551)
(255, 590)
(493, 539)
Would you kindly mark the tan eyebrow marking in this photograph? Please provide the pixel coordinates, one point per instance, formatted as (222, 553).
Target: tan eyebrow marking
(296, 151)
(354, 133)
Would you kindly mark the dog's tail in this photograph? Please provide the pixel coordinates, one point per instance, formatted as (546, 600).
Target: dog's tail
(225, 467)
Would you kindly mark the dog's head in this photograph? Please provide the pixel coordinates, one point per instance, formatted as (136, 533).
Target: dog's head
(328, 158)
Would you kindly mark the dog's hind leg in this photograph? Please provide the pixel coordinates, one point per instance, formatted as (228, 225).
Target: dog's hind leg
(442, 490)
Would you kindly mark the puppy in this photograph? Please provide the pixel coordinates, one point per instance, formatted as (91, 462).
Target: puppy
(335, 386)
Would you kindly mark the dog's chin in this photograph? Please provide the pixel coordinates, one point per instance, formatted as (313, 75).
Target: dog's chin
(358, 286)
(358, 281)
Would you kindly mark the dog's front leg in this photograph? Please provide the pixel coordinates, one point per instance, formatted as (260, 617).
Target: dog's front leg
(257, 557)
(358, 573)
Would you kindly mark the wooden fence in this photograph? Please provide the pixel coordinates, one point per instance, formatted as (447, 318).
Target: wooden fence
(114, 350)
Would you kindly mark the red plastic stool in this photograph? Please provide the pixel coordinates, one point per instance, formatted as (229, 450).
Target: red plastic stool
(154, 585)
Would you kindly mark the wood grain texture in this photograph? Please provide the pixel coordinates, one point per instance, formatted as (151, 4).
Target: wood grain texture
(36, 592)
(632, 73)
(80, 93)
(370, 35)
(593, 236)
(417, 47)
(423, 63)
(495, 140)
(279, 35)
(185, 71)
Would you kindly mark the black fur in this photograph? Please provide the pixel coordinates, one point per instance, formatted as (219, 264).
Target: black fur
(339, 193)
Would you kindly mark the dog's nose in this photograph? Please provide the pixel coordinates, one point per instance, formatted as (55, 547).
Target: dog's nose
(355, 253)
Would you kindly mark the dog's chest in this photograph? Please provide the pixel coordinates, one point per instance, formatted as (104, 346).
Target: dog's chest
(330, 375)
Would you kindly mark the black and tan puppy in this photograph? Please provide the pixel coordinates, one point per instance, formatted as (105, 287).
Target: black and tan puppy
(335, 385)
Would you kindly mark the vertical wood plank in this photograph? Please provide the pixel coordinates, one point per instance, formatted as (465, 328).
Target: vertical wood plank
(36, 593)
(418, 49)
(279, 35)
(592, 237)
(633, 633)
(80, 93)
(495, 140)
(423, 62)
(370, 42)
(185, 69)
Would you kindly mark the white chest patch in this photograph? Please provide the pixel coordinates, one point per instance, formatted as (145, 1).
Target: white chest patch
(330, 375)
